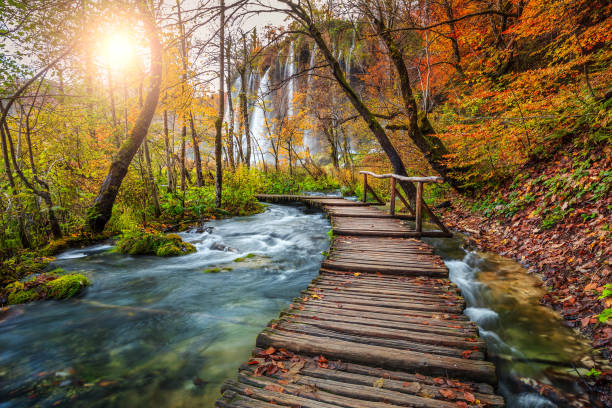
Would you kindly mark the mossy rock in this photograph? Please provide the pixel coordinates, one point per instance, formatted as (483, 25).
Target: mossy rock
(66, 286)
(22, 296)
(144, 243)
(244, 258)
(212, 270)
(50, 285)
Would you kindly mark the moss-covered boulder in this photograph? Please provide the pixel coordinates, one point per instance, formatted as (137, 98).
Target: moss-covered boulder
(66, 286)
(146, 243)
(49, 285)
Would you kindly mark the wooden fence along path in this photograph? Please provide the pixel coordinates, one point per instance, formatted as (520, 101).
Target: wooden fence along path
(381, 326)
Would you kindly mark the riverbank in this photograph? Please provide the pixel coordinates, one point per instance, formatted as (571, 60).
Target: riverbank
(555, 219)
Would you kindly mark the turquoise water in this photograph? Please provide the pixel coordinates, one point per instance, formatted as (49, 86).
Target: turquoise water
(158, 332)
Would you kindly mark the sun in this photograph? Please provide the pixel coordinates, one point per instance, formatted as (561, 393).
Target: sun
(119, 50)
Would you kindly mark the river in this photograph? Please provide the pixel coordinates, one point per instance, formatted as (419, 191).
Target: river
(161, 332)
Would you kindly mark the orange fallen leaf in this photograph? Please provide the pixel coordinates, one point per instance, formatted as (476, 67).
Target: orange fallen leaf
(446, 393)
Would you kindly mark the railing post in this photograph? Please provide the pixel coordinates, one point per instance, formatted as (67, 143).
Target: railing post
(365, 187)
(419, 207)
(392, 203)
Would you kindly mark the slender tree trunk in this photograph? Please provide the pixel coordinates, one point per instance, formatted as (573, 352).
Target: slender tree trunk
(196, 151)
(230, 106)
(169, 158)
(101, 210)
(182, 158)
(151, 178)
(219, 122)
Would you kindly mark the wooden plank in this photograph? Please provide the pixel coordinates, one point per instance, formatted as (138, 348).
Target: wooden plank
(379, 356)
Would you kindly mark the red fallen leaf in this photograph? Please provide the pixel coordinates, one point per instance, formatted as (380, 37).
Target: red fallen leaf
(271, 369)
(471, 340)
(274, 387)
(439, 380)
(446, 393)
(252, 362)
(379, 274)
(469, 397)
(260, 370)
(461, 404)
(268, 351)
(322, 362)
(283, 382)
(466, 354)
(420, 376)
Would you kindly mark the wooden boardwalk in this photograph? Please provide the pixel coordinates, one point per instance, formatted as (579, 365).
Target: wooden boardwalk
(380, 327)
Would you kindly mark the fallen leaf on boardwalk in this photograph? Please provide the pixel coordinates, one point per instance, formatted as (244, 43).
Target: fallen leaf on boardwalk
(469, 397)
(379, 274)
(295, 368)
(252, 362)
(267, 352)
(248, 391)
(322, 362)
(315, 296)
(357, 273)
(446, 393)
(466, 354)
(414, 387)
(274, 387)
(420, 377)
(439, 380)
(461, 404)
(379, 383)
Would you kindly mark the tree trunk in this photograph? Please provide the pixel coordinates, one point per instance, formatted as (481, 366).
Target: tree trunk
(151, 178)
(230, 107)
(169, 159)
(101, 210)
(219, 122)
(196, 151)
(182, 158)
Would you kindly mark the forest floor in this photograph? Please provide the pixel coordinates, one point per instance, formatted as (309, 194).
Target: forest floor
(555, 219)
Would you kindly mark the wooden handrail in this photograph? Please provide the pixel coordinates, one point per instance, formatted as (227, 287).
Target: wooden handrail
(420, 203)
(429, 179)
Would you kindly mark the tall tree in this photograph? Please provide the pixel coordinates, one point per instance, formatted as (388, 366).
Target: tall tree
(221, 112)
(101, 210)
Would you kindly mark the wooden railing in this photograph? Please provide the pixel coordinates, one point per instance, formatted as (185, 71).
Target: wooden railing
(420, 205)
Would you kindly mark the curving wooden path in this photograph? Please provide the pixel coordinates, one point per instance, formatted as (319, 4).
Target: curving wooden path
(380, 327)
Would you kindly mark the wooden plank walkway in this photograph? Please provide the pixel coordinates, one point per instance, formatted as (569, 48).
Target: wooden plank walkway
(380, 327)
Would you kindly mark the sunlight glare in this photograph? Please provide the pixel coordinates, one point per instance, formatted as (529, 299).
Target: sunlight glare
(119, 50)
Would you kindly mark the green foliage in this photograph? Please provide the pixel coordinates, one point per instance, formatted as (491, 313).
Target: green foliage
(244, 258)
(151, 243)
(593, 373)
(606, 292)
(605, 315)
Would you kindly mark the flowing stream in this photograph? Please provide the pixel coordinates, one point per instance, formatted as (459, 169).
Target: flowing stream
(160, 332)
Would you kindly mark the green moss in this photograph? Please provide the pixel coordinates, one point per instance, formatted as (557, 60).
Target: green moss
(22, 296)
(66, 286)
(168, 250)
(244, 258)
(144, 243)
(212, 270)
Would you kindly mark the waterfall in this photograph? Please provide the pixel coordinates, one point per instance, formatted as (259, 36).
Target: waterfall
(349, 58)
(289, 73)
(258, 119)
(307, 138)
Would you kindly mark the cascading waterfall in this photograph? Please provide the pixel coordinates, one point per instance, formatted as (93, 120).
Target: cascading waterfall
(289, 73)
(307, 138)
(258, 119)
